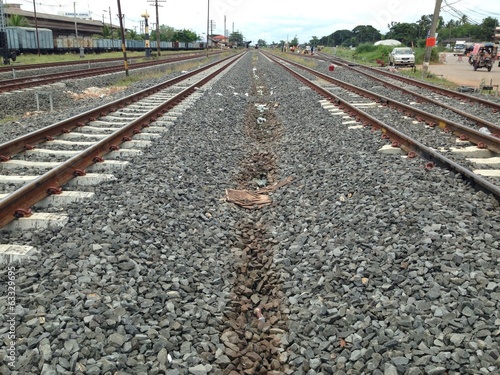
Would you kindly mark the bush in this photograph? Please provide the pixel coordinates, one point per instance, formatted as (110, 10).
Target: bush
(366, 47)
(371, 53)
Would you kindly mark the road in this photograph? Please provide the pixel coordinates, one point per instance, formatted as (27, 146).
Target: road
(462, 73)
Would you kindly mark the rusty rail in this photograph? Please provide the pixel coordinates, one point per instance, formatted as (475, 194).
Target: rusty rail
(28, 195)
(406, 143)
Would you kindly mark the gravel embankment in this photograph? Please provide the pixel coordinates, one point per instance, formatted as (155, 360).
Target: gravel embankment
(384, 267)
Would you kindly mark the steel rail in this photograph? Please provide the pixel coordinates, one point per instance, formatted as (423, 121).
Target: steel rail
(6, 69)
(31, 193)
(30, 140)
(32, 81)
(403, 141)
(492, 127)
(464, 132)
(440, 90)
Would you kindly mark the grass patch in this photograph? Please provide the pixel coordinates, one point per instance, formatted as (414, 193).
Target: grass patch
(437, 80)
(32, 59)
(168, 70)
(9, 119)
(300, 59)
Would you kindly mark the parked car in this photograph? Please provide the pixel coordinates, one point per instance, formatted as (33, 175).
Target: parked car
(403, 56)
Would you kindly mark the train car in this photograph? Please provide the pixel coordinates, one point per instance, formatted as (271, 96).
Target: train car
(102, 45)
(24, 39)
(21, 40)
(12, 39)
(63, 44)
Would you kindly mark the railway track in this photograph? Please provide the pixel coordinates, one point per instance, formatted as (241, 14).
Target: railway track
(35, 67)
(343, 260)
(98, 132)
(369, 108)
(9, 85)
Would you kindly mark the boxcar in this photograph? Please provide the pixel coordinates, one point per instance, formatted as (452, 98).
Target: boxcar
(27, 39)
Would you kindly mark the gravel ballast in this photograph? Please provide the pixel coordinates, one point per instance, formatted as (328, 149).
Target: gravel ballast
(380, 265)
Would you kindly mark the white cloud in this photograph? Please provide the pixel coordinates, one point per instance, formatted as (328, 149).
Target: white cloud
(271, 20)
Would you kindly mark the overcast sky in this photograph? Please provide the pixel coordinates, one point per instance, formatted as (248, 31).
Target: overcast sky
(270, 20)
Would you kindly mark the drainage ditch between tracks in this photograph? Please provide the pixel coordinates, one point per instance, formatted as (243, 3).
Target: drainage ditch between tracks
(256, 321)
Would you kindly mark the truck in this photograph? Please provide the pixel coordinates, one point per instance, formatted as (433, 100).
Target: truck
(459, 47)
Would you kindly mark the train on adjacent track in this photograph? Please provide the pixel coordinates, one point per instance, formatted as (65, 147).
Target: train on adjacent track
(19, 40)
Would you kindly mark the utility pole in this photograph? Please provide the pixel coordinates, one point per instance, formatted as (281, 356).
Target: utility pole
(148, 47)
(4, 48)
(158, 50)
(111, 27)
(124, 49)
(36, 29)
(74, 16)
(208, 22)
(431, 39)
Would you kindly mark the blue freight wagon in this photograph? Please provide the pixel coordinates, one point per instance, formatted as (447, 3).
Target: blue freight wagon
(27, 39)
(12, 39)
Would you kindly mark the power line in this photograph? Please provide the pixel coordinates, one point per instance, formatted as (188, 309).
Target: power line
(458, 13)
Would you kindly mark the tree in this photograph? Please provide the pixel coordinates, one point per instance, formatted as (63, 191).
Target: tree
(132, 34)
(236, 38)
(314, 41)
(294, 42)
(406, 33)
(106, 32)
(464, 20)
(17, 20)
(261, 43)
(185, 36)
(166, 33)
(365, 34)
(424, 24)
(341, 36)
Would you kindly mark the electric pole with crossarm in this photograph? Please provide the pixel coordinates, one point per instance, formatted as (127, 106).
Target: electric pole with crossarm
(158, 51)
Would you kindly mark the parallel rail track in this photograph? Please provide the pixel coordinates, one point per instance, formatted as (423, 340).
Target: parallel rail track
(397, 138)
(40, 80)
(18, 203)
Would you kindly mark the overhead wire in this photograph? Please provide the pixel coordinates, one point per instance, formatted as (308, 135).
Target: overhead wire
(459, 14)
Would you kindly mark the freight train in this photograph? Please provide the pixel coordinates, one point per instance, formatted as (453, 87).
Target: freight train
(18, 40)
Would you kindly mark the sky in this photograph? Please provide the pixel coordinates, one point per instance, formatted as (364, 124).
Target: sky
(270, 20)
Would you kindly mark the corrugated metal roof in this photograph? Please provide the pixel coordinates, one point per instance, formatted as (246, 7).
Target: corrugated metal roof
(61, 24)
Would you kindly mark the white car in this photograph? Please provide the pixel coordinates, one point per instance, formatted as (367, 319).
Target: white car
(402, 56)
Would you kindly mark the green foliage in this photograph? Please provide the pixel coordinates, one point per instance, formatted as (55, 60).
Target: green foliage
(17, 20)
(185, 36)
(106, 32)
(132, 34)
(261, 43)
(236, 38)
(409, 34)
(166, 33)
(463, 29)
(370, 53)
(364, 34)
(406, 33)
(314, 41)
(366, 47)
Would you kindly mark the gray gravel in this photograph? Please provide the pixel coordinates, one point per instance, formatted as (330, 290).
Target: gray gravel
(385, 267)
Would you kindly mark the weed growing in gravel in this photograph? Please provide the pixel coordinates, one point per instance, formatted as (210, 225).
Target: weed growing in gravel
(428, 77)
(8, 119)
